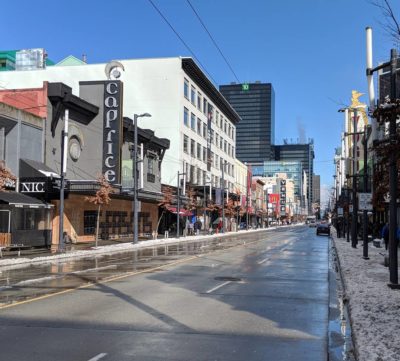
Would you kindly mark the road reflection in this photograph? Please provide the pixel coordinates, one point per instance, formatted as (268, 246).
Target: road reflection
(34, 281)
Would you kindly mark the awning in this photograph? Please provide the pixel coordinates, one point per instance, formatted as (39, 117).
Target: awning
(182, 212)
(34, 169)
(21, 200)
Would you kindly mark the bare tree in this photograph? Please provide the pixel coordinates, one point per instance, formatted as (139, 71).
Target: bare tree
(390, 23)
(102, 197)
(6, 177)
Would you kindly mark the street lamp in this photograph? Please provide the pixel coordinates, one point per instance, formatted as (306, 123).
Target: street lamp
(135, 176)
(205, 199)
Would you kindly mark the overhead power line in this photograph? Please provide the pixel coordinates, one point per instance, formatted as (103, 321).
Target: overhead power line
(180, 38)
(212, 39)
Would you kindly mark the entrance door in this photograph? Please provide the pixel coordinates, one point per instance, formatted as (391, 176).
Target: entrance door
(5, 235)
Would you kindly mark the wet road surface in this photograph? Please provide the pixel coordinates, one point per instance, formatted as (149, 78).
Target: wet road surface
(266, 299)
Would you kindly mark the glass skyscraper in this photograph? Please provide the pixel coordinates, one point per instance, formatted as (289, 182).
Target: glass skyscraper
(255, 133)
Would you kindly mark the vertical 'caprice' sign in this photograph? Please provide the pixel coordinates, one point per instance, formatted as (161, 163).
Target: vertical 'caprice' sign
(112, 130)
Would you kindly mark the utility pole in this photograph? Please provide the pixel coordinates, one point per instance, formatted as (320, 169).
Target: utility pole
(393, 267)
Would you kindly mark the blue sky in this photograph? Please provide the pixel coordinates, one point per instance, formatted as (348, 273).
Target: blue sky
(312, 51)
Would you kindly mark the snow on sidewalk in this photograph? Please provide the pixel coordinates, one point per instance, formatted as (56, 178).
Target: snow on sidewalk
(374, 307)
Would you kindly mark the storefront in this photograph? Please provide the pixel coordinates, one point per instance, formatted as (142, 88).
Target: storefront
(24, 220)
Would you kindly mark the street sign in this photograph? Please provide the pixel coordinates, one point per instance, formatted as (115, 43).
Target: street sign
(365, 201)
(340, 212)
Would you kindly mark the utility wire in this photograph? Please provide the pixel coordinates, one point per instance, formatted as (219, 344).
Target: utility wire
(180, 38)
(212, 39)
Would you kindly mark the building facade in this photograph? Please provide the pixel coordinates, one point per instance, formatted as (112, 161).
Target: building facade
(100, 142)
(303, 153)
(255, 103)
(185, 106)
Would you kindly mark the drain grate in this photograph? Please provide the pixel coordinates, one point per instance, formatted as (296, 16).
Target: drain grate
(232, 279)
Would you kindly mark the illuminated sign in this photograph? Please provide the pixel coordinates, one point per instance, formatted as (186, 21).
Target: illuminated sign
(112, 132)
(245, 87)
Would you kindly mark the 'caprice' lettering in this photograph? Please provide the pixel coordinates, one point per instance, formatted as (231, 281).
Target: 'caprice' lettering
(112, 109)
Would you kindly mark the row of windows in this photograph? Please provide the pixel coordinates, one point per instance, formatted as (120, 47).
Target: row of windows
(198, 176)
(201, 129)
(205, 107)
(198, 151)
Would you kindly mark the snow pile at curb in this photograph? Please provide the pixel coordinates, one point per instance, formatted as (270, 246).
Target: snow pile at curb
(121, 247)
(374, 307)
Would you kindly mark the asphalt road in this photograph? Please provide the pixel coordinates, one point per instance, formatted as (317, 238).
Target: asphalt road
(263, 300)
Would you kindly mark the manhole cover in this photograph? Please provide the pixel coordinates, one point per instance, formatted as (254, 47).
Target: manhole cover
(232, 279)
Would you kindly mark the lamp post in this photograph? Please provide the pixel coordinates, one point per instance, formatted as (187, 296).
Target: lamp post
(135, 175)
(64, 147)
(178, 201)
(223, 195)
(205, 200)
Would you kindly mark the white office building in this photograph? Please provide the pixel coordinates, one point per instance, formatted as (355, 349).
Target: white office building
(185, 108)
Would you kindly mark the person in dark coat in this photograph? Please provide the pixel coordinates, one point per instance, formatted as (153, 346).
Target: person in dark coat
(385, 234)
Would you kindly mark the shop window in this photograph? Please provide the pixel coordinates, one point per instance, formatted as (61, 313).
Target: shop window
(89, 222)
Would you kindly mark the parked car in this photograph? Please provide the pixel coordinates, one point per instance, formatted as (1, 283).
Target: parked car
(312, 224)
(323, 228)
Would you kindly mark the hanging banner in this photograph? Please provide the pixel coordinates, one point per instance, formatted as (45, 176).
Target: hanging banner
(218, 197)
(282, 197)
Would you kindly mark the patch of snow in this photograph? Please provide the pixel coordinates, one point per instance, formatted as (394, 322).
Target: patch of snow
(374, 308)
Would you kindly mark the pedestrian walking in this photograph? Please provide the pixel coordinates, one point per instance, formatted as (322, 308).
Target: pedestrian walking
(191, 228)
(385, 234)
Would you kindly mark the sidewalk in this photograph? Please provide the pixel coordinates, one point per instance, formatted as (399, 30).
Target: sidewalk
(108, 247)
(374, 308)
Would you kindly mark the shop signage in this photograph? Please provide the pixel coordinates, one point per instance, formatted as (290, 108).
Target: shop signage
(45, 188)
(33, 187)
(282, 196)
(112, 132)
(365, 201)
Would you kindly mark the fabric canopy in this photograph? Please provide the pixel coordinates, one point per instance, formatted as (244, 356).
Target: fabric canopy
(20, 200)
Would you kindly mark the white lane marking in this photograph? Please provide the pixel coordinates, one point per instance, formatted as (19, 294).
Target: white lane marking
(219, 286)
(98, 357)
(263, 260)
